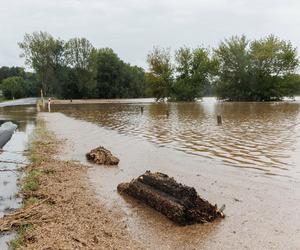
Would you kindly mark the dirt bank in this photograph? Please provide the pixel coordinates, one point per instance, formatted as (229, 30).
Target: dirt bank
(60, 211)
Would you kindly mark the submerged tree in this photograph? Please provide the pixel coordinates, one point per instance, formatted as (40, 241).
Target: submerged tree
(255, 71)
(234, 69)
(194, 70)
(273, 61)
(160, 76)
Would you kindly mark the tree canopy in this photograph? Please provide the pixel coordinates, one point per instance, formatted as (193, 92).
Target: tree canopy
(76, 69)
(259, 70)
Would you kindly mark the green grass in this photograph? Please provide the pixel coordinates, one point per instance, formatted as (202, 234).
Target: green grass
(31, 181)
(19, 240)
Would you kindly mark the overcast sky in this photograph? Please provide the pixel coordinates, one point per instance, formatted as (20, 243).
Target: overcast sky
(132, 27)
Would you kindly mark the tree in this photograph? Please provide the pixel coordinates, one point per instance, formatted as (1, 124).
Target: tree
(116, 79)
(234, 69)
(14, 87)
(273, 61)
(6, 72)
(44, 54)
(80, 55)
(161, 70)
(194, 70)
(260, 70)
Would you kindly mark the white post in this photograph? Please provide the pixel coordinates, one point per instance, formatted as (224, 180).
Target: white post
(49, 105)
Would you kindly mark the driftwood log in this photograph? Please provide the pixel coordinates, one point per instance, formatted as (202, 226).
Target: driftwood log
(178, 202)
(102, 156)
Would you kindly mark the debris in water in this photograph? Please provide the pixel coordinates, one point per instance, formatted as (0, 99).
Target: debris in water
(178, 202)
(102, 156)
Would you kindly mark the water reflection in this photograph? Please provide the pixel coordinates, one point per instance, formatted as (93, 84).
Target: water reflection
(254, 135)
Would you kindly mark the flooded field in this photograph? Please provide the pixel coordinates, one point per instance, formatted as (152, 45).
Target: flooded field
(250, 164)
(262, 136)
(13, 152)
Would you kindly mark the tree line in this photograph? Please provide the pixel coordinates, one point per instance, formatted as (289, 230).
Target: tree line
(72, 69)
(239, 69)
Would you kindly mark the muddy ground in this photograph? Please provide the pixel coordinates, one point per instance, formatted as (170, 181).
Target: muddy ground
(60, 210)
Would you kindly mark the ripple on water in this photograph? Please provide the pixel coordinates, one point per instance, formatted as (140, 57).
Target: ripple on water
(262, 136)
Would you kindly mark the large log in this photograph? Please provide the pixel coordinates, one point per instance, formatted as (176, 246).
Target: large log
(178, 202)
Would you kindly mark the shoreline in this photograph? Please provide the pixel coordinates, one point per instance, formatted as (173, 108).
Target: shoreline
(59, 209)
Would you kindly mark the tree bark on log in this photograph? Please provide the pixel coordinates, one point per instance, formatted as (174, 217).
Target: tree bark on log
(178, 202)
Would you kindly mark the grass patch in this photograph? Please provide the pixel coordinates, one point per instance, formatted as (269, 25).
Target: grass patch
(20, 239)
(40, 143)
(31, 181)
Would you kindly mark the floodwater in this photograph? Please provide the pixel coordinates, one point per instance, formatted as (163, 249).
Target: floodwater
(14, 152)
(250, 163)
(263, 136)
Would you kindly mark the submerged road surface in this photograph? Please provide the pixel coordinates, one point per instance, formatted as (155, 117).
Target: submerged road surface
(19, 102)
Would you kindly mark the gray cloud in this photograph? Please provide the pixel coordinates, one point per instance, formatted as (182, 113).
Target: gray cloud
(132, 27)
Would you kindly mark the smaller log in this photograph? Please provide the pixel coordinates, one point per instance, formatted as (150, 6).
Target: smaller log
(102, 156)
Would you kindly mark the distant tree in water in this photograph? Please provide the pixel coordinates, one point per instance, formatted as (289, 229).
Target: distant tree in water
(261, 70)
(195, 70)
(184, 80)
(238, 70)
(160, 76)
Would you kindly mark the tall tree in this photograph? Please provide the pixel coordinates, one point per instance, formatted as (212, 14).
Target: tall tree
(80, 55)
(44, 54)
(234, 69)
(194, 70)
(161, 70)
(256, 71)
(273, 61)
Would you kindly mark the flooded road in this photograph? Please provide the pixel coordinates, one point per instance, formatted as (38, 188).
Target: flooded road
(251, 164)
(13, 151)
(262, 136)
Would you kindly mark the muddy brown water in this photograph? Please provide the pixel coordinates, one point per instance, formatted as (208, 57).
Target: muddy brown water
(250, 163)
(13, 151)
